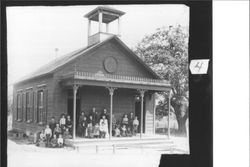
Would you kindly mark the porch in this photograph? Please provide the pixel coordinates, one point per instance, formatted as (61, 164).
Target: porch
(112, 84)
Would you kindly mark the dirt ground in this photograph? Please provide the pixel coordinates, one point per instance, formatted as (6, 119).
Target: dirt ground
(22, 152)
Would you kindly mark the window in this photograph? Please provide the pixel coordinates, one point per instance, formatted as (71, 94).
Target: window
(29, 116)
(41, 107)
(23, 105)
(19, 109)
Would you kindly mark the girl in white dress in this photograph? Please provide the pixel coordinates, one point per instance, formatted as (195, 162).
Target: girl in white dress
(104, 127)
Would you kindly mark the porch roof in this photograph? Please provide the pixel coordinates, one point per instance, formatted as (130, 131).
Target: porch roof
(110, 80)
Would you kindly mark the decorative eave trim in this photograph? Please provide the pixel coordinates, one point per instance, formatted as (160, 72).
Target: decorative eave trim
(41, 85)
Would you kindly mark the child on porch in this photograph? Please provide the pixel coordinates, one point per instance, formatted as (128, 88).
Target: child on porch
(69, 124)
(123, 129)
(66, 134)
(117, 132)
(41, 139)
(90, 127)
(129, 133)
(60, 141)
(53, 142)
(104, 127)
(96, 131)
(48, 134)
(130, 120)
(84, 125)
(57, 130)
(135, 126)
(125, 120)
(52, 125)
(62, 122)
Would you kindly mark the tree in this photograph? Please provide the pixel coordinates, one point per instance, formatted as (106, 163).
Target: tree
(166, 52)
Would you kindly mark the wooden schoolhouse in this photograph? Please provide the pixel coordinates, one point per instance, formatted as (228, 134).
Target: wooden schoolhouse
(104, 74)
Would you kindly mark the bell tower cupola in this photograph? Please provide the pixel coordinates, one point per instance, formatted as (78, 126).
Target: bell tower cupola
(103, 15)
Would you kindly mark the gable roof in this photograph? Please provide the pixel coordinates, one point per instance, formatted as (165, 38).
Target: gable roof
(59, 62)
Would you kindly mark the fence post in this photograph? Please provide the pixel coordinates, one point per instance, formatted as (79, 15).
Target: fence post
(96, 149)
(114, 149)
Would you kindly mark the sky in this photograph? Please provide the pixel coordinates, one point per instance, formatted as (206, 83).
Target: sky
(34, 33)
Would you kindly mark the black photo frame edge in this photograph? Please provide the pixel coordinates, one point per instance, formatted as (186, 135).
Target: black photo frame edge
(200, 86)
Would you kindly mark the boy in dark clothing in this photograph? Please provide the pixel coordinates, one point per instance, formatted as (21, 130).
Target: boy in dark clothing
(130, 120)
(84, 125)
(53, 142)
(129, 132)
(52, 125)
(69, 124)
(57, 130)
(66, 134)
(79, 126)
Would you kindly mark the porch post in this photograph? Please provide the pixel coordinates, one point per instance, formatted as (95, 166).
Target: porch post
(119, 26)
(89, 28)
(111, 93)
(154, 108)
(75, 87)
(141, 122)
(100, 21)
(169, 113)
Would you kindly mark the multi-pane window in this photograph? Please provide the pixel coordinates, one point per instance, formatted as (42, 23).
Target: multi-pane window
(29, 114)
(41, 106)
(23, 106)
(19, 108)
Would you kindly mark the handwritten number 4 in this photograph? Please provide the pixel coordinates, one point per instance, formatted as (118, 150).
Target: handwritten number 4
(198, 66)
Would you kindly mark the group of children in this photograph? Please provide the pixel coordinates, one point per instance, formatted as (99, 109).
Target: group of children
(55, 133)
(127, 128)
(89, 126)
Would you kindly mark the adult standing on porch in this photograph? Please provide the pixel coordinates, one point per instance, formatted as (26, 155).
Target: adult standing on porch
(106, 114)
(94, 116)
(130, 120)
(79, 126)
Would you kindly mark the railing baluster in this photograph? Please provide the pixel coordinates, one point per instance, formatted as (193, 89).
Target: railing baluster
(115, 77)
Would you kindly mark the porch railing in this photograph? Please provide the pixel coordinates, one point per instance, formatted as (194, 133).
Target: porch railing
(101, 75)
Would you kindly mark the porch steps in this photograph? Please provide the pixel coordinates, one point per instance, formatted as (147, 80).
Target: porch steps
(128, 142)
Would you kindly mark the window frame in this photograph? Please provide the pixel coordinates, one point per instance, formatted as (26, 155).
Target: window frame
(41, 105)
(29, 104)
(19, 106)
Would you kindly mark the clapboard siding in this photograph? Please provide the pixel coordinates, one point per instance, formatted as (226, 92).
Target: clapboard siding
(60, 99)
(149, 108)
(93, 62)
(33, 126)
